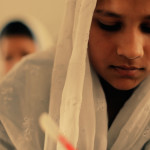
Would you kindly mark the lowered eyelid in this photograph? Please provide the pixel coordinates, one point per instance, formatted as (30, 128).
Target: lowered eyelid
(107, 23)
(106, 19)
(109, 28)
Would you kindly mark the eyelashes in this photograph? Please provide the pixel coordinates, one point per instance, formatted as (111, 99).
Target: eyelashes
(144, 27)
(110, 28)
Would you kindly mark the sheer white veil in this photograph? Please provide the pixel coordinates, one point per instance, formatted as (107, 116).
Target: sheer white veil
(71, 90)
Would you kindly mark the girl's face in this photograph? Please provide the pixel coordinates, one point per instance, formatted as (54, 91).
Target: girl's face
(14, 48)
(119, 42)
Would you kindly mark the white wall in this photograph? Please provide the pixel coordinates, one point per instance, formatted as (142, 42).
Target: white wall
(46, 14)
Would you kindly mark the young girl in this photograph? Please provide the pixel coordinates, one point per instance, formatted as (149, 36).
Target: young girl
(98, 81)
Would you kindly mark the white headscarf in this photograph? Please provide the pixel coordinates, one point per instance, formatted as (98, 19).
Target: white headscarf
(77, 101)
(71, 80)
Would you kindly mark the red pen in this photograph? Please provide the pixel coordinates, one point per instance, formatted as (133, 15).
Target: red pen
(50, 127)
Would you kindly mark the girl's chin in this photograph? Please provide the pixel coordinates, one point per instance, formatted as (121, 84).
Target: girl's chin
(124, 88)
(126, 85)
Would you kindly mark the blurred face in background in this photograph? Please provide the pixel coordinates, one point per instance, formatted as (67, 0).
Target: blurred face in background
(14, 48)
(119, 42)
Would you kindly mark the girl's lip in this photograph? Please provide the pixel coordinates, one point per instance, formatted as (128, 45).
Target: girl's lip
(124, 67)
(127, 71)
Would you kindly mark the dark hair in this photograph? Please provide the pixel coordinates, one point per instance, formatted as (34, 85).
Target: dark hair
(16, 28)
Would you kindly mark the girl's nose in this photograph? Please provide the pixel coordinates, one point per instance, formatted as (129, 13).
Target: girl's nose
(131, 45)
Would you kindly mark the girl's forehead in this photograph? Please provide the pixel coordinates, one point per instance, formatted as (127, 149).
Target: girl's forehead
(125, 7)
(121, 1)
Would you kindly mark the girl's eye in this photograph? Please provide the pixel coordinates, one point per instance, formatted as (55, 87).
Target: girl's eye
(24, 53)
(8, 58)
(110, 28)
(145, 28)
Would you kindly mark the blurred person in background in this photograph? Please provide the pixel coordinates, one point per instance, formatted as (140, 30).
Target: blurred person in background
(16, 41)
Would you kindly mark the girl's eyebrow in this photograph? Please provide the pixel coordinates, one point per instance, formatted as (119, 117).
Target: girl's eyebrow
(108, 13)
